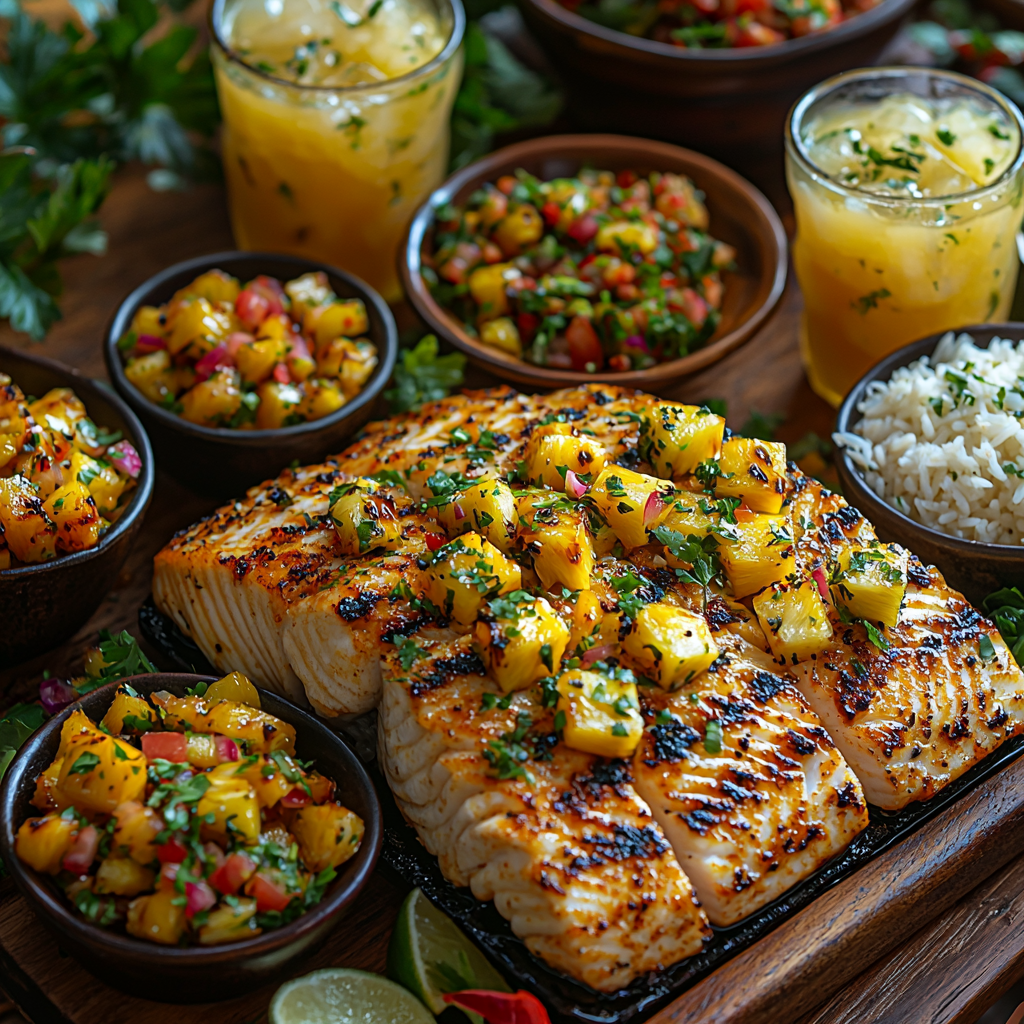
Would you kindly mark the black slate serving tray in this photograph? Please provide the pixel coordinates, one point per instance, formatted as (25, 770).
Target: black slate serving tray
(567, 1000)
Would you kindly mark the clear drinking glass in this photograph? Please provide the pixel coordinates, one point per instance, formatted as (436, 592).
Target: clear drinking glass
(879, 271)
(334, 173)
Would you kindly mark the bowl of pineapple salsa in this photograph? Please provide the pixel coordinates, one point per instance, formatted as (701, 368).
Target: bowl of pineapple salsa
(241, 362)
(76, 476)
(188, 837)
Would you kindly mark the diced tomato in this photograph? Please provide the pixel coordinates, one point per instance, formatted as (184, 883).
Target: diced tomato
(626, 178)
(620, 362)
(227, 748)
(272, 290)
(236, 870)
(173, 851)
(235, 340)
(251, 307)
(583, 229)
(753, 33)
(584, 344)
(281, 374)
(693, 306)
(298, 797)
(506, 183)
(527, 324)
(79, 858)
(435, 540)
(551, 211)
(267, 893)
(168, 746)
(752, 6)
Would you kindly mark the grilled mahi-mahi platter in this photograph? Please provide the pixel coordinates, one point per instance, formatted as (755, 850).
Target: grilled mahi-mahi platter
(634, 675)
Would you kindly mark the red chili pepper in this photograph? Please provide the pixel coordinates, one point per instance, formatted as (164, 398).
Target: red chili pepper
(435, 540)
(501, 1007)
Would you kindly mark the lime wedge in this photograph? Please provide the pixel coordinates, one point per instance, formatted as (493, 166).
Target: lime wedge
(339, 995)
(430, 955)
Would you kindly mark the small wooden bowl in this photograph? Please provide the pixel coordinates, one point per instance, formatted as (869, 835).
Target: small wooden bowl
(42, 605)
(729, 102)
(740, 215)
(203, 973)
(218, 461)
(973, 567)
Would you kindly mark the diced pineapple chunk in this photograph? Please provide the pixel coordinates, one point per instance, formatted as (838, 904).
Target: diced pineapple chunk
(122, 876)
(103, 482)
(257, 359)
(686, 517)
(340, 318)
(364, 521)
(503, 334)
(27, 530)
(669, 645)
(73, 510)
(351, 362)
(554, 449)
(99, 772)
(214, 286)
(42, 842)
(147, 321)
(761, 555)
(279, 405)
(213, 402)
(128, 704)
(323, 397)
(558, 538)
(235, 687)
(521, 639)
(196, 318)
(229, 806)
(152, 375)
(464, 573)
(754, 471)
(794, 619)
(675, 439)
(159, 917)
(601, 714)
(230, 923)
(59, 410)
(622, 496)
(327, 834)
(872, 582)
(308, 292)
(486, 507)
(487, 286)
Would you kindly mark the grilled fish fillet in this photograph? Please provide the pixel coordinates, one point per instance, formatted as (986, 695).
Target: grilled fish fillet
(574, 859)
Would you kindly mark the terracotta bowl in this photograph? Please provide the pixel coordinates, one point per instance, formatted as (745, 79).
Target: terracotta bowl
(740, 215)
(195, 974)
(42, 605)
(732, 103)
(220, 462)
(974, 568)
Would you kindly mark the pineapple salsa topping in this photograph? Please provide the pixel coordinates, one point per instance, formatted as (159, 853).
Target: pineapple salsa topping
(187, 820)
(262, 356)
(601, 272)
(589, 580)
(63, 480)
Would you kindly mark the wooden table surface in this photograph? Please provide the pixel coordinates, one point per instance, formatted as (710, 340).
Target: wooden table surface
(952, 969)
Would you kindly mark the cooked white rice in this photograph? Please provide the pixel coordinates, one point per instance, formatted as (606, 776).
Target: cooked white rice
(942, 440)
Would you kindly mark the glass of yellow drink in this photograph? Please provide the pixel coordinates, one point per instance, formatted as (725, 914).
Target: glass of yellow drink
(906, 185)
(335, 122)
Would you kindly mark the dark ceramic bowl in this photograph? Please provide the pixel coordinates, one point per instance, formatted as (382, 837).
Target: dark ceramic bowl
(220, 462)
(740, 215)
(731, 103)
(42, 605)
(200, 974)
(974, 568)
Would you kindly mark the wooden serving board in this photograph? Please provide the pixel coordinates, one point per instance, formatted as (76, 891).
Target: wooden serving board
(850, 934)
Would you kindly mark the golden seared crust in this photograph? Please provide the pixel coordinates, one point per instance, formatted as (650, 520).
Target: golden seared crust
(915, 716)
(755, 815)
(571, 855)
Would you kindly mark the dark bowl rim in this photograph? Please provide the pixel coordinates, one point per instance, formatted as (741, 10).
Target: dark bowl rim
(418, 293)
(139, 501)
(121, 319)
(849, 415)
(791, 49)
(43, 901)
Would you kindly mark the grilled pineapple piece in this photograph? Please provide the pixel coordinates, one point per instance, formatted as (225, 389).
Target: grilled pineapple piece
(42, 842)
(486, 507)
(600, 712)
(559, 540)
(363, 520)
(754, 471)
(99, 772)
(794, 619)
(688, 515)
(520, 639)
(872, 582)
(27, 530)
(229, 805)
(73, 511)
(128, 704)
(556, 448)
(675, 439)
(630, 502)
(464, 573)
(762, 553)
(669, 645)
(327, 834)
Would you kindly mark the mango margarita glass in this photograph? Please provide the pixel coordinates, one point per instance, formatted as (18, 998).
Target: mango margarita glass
(335, 122)
(906, 184)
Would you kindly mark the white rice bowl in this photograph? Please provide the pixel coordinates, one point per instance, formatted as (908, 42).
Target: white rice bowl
(942, 440)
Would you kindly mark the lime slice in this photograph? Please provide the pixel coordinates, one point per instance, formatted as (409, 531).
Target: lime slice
(430, 955)
(339, 995)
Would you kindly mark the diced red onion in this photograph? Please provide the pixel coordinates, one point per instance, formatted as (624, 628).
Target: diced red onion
(597, 654)
(55, 695)
(227, 749)
(300, 350)
(653, 507)
(146, 343)
(819, 577)
(459, 512)
(212, 361)
(583, 229)
(236, 340)
(198, 896)
(214, 853)
(79, 858)
(126, 458)
(637, 341)
(574, 485)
